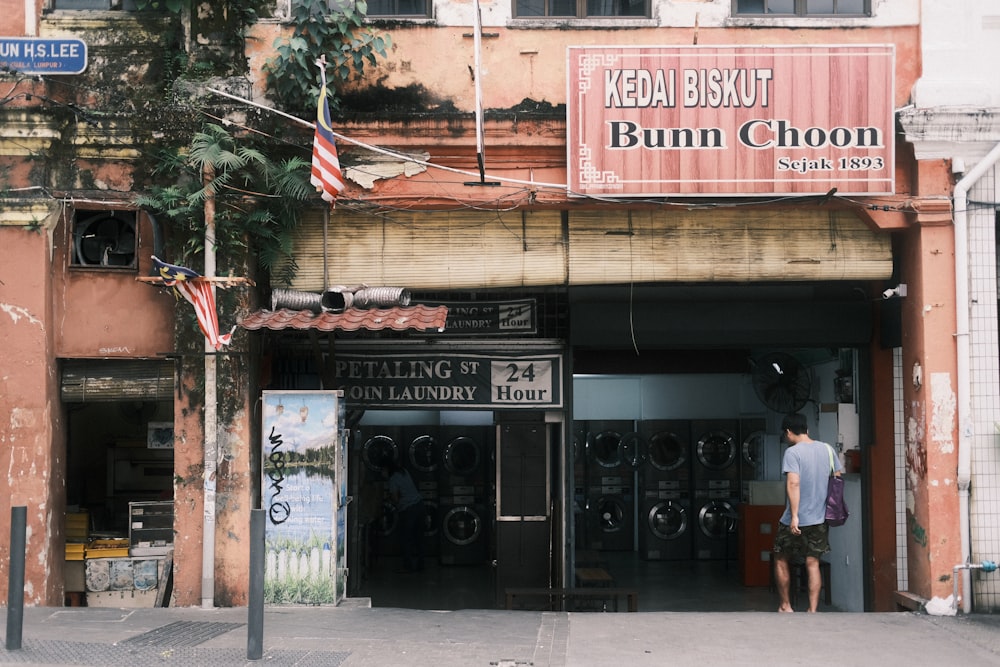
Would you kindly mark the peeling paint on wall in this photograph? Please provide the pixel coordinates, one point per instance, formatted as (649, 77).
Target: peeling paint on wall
(916, 451)
(17, 313)
(942, 412)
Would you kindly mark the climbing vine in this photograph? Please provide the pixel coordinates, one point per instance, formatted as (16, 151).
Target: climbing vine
(341, 36)
(256, 198)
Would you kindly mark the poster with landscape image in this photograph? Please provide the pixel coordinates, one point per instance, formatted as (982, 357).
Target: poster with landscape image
(301, 495)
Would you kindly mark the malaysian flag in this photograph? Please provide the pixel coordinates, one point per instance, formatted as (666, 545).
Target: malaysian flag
(198, 293)
(326, 174)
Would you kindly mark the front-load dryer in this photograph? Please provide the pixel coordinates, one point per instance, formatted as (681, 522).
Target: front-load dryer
(422, 452)
(716, 455)
(667, 526)
(667, 452)
(715, 537)
(608, 453)
(379, 446)
(464, 534)
(464, 458)
(752, 436)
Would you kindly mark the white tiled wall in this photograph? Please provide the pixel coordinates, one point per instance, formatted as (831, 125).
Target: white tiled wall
(902, 579)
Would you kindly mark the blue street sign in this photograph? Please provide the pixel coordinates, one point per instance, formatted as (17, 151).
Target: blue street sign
(36, 55)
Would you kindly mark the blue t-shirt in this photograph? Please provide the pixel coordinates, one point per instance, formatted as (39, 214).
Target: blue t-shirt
(811, 460)
(401, 483)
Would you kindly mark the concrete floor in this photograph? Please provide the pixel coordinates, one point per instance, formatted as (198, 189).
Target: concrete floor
(696, 586)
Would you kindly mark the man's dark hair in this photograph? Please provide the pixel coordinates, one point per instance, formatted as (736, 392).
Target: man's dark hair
(795, 422)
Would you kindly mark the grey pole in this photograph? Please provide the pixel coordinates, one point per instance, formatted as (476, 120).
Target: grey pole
(15, 580)
(255, 604)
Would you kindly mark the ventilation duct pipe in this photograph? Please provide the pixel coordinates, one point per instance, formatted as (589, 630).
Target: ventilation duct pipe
(295, 300)
(381, 297)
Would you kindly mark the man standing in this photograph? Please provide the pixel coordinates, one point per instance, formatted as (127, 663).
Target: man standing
(409, 504)
(802, 529)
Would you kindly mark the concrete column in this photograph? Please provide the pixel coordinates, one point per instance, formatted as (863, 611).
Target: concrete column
(926, 259)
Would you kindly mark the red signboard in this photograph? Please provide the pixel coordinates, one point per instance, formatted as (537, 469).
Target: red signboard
(730, 120)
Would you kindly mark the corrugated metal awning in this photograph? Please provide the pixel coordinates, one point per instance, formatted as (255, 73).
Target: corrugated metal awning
(85, 380)
(411, 318)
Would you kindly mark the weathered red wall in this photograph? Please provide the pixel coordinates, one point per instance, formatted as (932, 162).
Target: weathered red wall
(108, 313)
(31, 433)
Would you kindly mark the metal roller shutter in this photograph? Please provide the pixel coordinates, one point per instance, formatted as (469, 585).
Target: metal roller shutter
(86, 380)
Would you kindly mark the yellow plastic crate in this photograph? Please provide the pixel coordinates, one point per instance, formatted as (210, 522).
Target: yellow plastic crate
(77, 526)
(115, 548)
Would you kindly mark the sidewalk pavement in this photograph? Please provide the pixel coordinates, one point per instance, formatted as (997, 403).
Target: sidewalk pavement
(356, 635)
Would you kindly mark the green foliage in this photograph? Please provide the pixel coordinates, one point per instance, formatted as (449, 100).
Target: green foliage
(340, 35)
(257, 199)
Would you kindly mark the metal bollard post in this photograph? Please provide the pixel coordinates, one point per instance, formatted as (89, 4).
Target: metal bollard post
(15, 579)
(255, 603)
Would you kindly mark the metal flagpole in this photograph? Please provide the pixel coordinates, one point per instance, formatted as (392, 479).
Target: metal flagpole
(477, 41)
(211, 419)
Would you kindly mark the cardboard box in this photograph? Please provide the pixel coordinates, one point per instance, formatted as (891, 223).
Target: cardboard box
(73, 576)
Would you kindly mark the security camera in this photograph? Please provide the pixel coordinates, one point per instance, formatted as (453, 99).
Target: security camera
(898, 290)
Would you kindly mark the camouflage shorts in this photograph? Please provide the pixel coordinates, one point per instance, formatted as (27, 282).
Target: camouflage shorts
(813, 541)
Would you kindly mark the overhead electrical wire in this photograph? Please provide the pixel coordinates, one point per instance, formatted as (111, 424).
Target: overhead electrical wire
(517, 197)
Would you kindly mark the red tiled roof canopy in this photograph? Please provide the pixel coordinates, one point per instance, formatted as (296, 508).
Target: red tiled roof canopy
(416, 318)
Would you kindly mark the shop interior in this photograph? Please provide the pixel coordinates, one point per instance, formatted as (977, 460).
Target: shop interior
(119, 501)
(676, 478)
(668, 472)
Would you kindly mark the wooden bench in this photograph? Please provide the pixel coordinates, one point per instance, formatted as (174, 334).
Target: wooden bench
(593, 576)
(557, 598)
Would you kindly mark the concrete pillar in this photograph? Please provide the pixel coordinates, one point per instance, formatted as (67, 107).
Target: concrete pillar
(926, 259)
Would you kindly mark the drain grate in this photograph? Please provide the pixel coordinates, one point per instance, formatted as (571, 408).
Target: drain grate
(180, 633)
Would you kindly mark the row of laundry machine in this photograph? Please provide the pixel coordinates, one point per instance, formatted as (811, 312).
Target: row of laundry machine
(452, 468)
(669, 489)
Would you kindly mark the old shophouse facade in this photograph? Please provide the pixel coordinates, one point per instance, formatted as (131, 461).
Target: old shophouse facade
(645, 204)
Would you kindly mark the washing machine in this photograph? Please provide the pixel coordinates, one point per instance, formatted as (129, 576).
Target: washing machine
(387, 532)
(666, 526)
(421, 455)
(610, 519)
(432, 529)
(579, 484)
(752, 433)
(464, 534)
(716, 453)
(715, 534)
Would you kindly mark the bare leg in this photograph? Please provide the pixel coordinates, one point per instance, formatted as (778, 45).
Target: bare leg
(782, 577)
(815, 582)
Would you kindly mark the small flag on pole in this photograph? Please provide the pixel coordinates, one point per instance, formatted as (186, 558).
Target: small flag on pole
(198, 293)
(326, 174)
